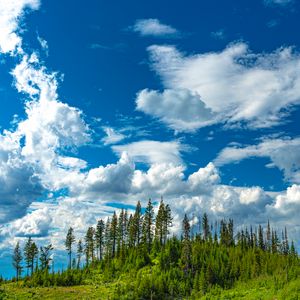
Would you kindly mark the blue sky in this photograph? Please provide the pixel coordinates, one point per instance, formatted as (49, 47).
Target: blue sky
(104, 104)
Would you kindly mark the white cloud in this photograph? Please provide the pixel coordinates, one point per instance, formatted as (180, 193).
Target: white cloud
(44, 44)
(153, 27)
(111, 179)
(275, 149)
(11, 13)
(30, 159)
(235, 85)
(251, 195)
(182, 110)
(112, 136)
(36, 223)
(152, 152)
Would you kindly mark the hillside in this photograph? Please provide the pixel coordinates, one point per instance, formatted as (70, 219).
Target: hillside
(136, 258)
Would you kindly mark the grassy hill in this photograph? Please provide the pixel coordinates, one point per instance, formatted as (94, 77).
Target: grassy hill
(127, 259)
(264, 288)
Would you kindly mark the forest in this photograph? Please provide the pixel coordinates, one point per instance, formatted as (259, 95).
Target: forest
(138, 258)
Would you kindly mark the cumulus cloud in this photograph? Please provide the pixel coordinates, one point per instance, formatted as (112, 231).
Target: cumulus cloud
(234, 86)
(274, 149)
(111, 179)
(182, 110)
(30, 159)
(152, 152)
(11, 13)
(36, 223)
(153, 27)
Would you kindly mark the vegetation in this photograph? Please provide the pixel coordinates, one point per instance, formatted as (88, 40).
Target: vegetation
(134, 257)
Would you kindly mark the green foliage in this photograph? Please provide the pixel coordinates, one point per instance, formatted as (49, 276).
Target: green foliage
(139, 262)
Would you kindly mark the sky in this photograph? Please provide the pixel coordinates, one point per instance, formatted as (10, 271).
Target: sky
(104, 103)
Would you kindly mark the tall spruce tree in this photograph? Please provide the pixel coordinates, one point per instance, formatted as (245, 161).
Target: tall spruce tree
(114, 233)
(137, 223)
(205, 227)
(167, 222)
(28, 254)
(100, 228)
(79, 253)
(17, 260)
(148, 221)
(159, 223)
(107, 238)
(186, 254)
(46, 257)
(70, 240)
(34, 255)
(90, 245)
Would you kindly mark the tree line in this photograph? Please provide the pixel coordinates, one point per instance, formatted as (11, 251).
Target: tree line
(140, 247)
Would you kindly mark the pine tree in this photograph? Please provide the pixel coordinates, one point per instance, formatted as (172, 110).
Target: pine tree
(70, 240)
(89, 245)
(45, 257)
(114, 233)
(122, 233)
(17, 260)
(186, 255)
(79, 253)
(261, 243)
(268, 237)
(28, 254)
(137, 223)
(205, 227)
(100, 238)
(159, 223)
(107, 238)
(34, 255)
(147, 226)
(167, 222)
(131, 232)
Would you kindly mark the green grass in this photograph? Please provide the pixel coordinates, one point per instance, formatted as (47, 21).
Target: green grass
(16, 291)
(259, 289)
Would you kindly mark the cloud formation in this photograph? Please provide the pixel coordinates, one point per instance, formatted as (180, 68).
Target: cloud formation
(234, 86)
(152, 152)
(153, 27)
(11, 13)
(274, 149)
(112, 136)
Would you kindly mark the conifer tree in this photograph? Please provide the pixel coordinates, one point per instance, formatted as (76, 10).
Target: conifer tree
(159, 223)
(186, 255)
(268, 237)
(70, 240)
(147, 226)
(261, 243)
(100, 238)
(137, 223)
(45, 257)
(17, 260)
(79, 253)
(90, 245)
(167, 222)
(107, 238)
(122, 232)
(114, 233)
(205, 227)
(34, 255)
(131, 232)
(28, 254)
